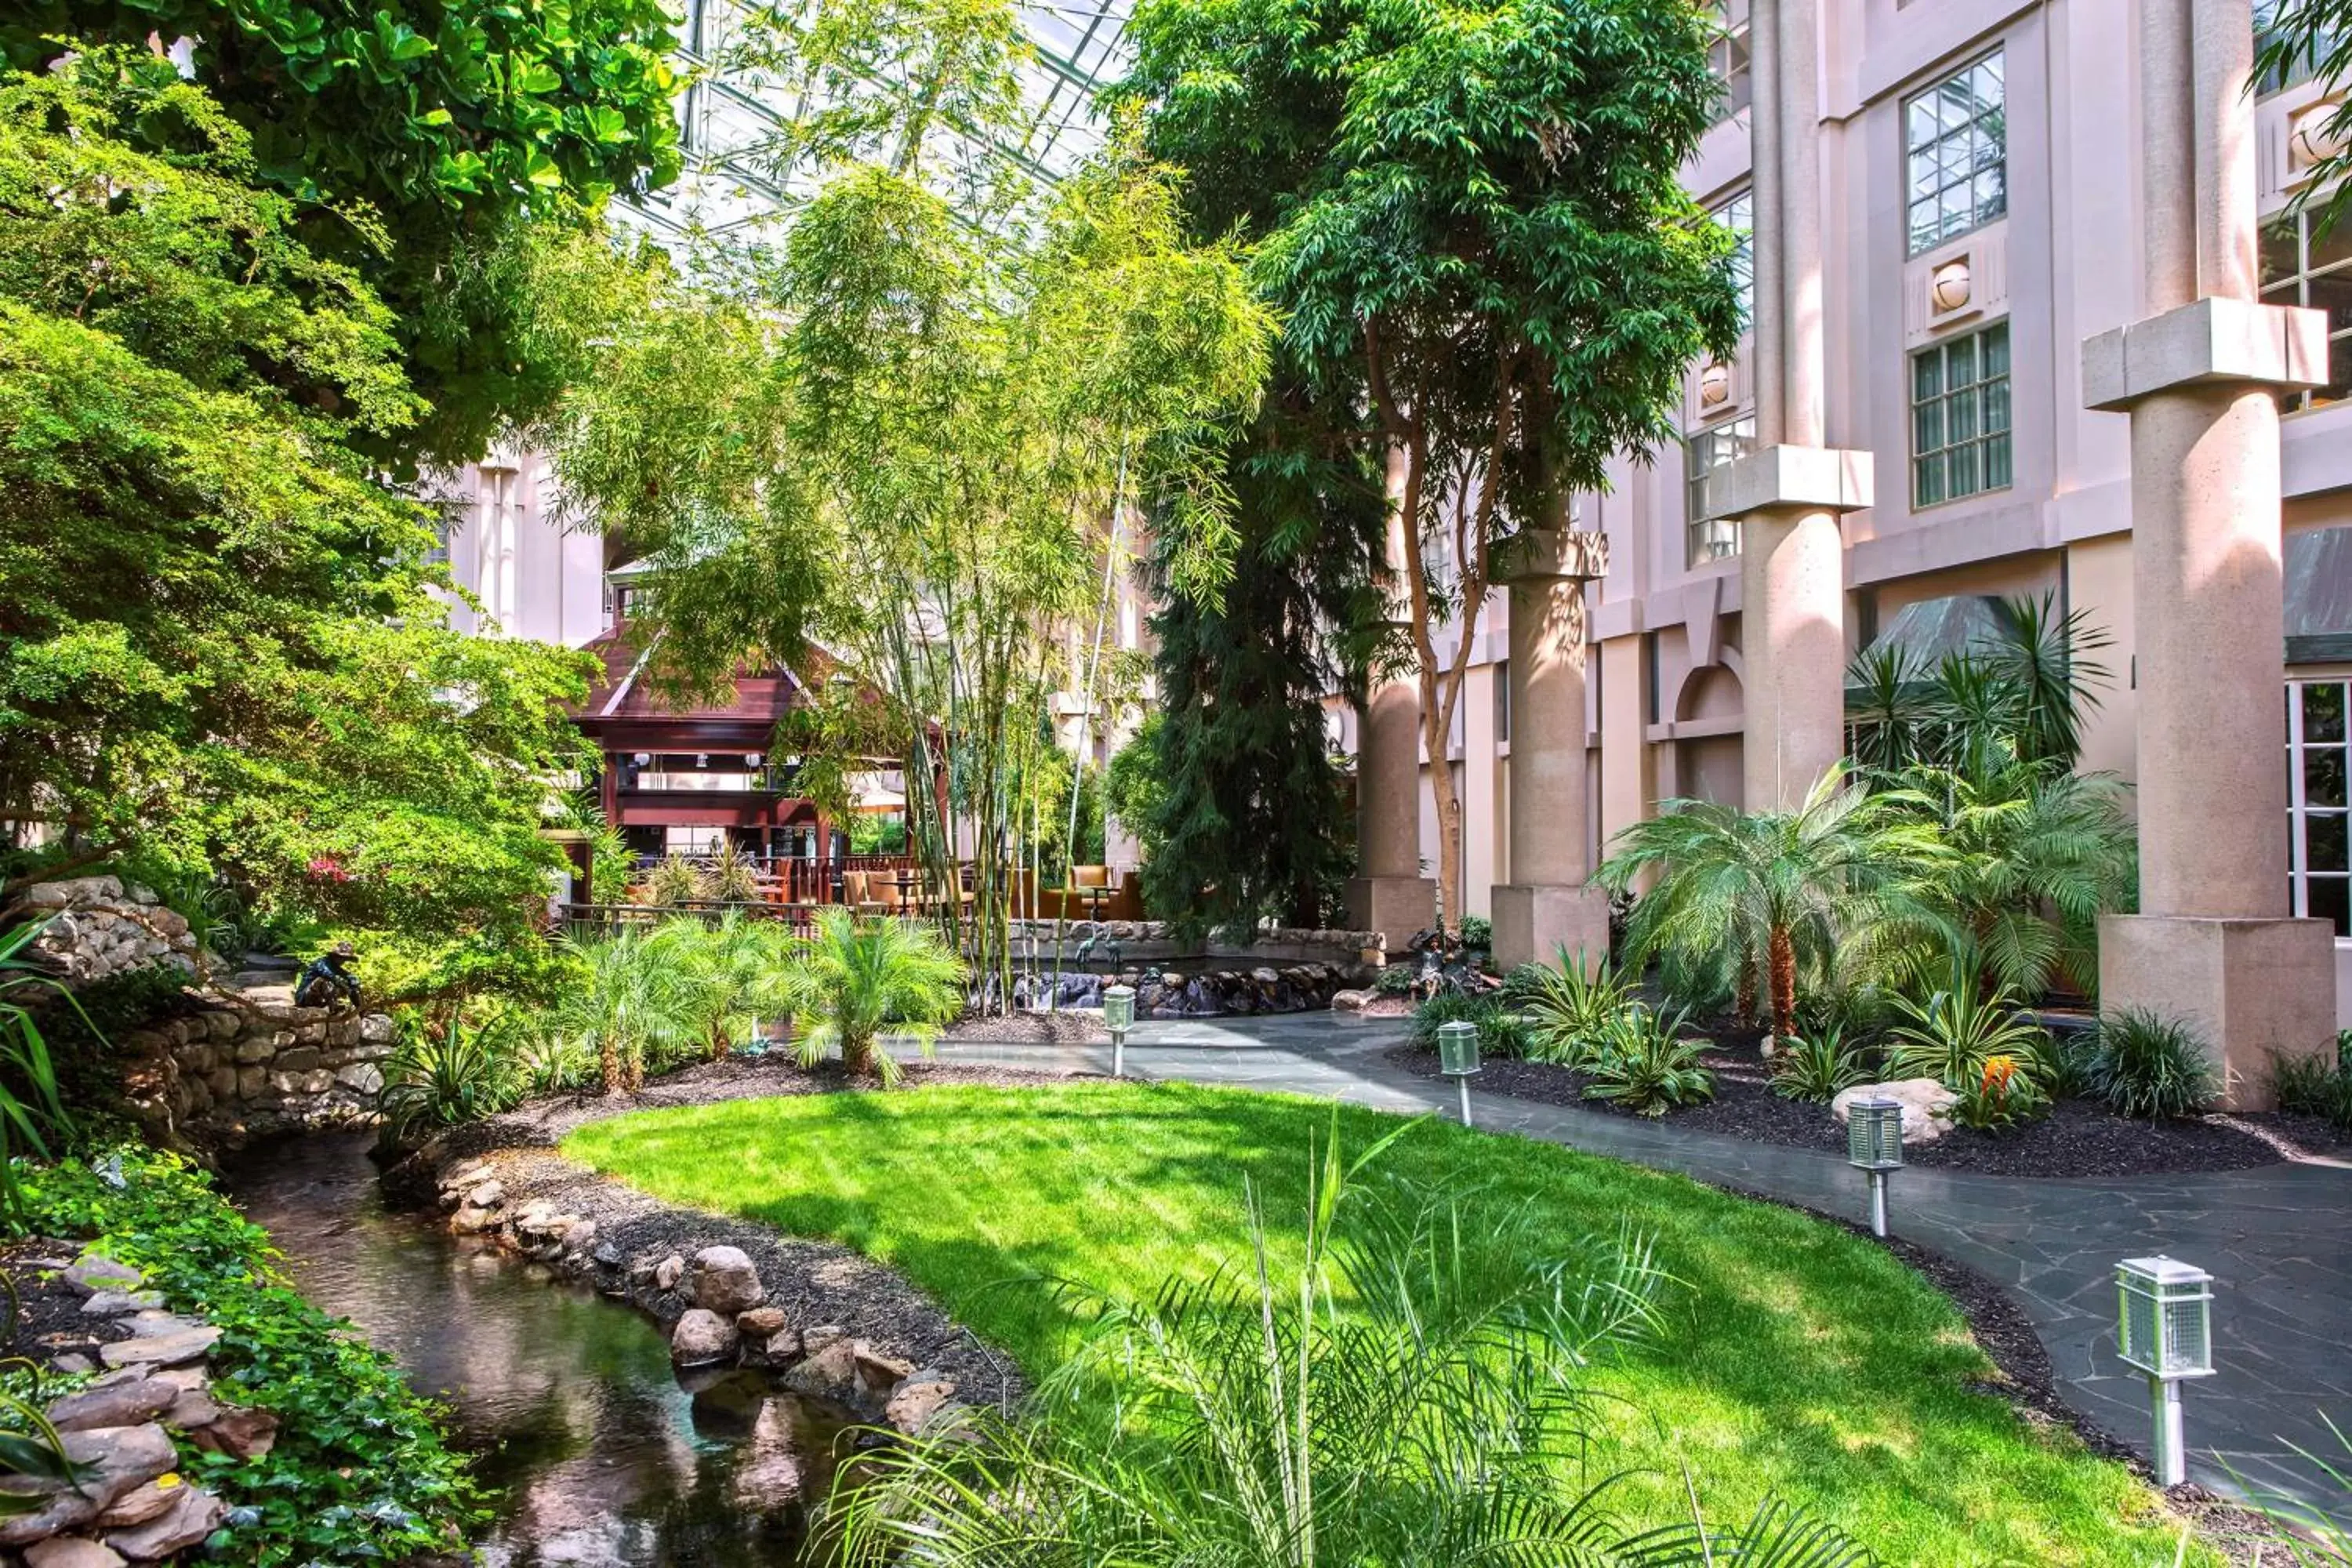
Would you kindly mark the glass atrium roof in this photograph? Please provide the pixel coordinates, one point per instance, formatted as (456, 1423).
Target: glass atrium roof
(727, 115)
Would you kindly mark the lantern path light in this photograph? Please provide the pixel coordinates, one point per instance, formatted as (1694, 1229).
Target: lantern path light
(2164, 1326)
(1874, 1144)
(1457, 1057)
(1119, 1017)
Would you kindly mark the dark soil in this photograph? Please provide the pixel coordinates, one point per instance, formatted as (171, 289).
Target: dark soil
(49, 1320)
(2080, 1138)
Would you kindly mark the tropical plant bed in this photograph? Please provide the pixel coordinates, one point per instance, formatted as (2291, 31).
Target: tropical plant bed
(2078, 1138)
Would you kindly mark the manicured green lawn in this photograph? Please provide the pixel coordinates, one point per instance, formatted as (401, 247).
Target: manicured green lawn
(1797, 1358)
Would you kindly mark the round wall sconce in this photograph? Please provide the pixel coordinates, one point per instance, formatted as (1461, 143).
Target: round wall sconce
(2308, 139)
(1949, 286)
(1713, 384)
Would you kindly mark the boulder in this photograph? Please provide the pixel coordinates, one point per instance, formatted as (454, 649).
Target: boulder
(194, 1407)
(241, 1431)
(668, 1272)
(1352, 1001)
(488, 1195)
(916, 1404)
(119, 1460)
(822, 1338)
(724, 1281)
(155, 1324)
(700, 1338)
(94, 1271)
(760, 1323)
(196, 1515)
(828, 1374)
(71, 1552)
(161, 1349)
(1926, 1105)
(141, 1503)
(116, 1303)
(129, 1403)
(877, 1374)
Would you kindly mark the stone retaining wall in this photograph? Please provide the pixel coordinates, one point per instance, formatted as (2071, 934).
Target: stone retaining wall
(245, 1066)
(99, 928)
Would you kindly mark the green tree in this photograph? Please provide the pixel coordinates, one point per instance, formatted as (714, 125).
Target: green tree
(626, 1002)
(2312, 40)
(857, 978)
(1770, 889)
(480, 133)
(733, 969)
(221, 645)
(1471, 219)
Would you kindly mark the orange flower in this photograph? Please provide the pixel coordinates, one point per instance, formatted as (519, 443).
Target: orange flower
(1997, 1071)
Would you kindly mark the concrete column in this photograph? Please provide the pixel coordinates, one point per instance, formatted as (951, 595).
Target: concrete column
(2212, 945)
(1547, 904)
(1790, 494)
(1389, 894)
(1482, 789)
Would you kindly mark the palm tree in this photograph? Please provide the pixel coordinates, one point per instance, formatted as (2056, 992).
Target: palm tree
(1393, 1396)
(856, 977)
(735, 969)
(630, 1005)
(1770, 886)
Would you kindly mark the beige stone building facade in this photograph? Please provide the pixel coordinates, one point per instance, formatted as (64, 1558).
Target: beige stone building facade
(2015, 268)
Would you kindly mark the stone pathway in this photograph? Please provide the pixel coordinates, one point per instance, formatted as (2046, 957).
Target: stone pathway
(2278, 1238)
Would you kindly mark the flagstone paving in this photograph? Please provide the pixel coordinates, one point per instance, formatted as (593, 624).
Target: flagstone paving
(2278, 1238)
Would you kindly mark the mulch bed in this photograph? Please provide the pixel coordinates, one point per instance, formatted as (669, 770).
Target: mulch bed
(2077, 1139)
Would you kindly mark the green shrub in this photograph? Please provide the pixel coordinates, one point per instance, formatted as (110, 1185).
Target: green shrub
(1957, 1030)
(2311, 1085)
(455, 1075)
(857, 978)
(673, 880)
(1815, 1067)
(2003, 1094)
(360, 1473)
(2144, 1064)
(1501, 1032)
(1643, 1064)
(2065, 1065)
(1396, 980)
(1568, 1012)
(1478, 932)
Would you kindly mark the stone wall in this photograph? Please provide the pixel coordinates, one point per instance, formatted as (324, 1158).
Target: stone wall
(100, 928)
(242, 1065)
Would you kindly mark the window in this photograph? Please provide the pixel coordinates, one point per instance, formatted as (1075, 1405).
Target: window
(1738, 216)
(1714, 448)
(1956, 140)
(1727, 57)
(1503, 700)
(2302, 266)
(2299, 70)
(1959, 417)
(2320, 874)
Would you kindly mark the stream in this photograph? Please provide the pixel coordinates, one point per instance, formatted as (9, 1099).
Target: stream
(598, 1454)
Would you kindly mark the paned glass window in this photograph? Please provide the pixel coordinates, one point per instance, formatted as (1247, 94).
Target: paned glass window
(2320, 873)
(1959, 417)
(2304, 265)
(1956, 143)
(1706, 451)
(1727, 57)
(1738, 216)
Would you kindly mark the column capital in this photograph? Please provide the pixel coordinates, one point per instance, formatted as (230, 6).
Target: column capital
(1791, 478)
(2210, 342)
(1550, 554)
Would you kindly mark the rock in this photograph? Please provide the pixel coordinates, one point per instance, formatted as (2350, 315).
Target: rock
(94, 1271)
(115, 1304)
(700, 1338)
(193, 1408)
(141, 1503)
(71, 1552)
(242, 1432)
(607, 1256)
(578, 1233)
(877, 1374)
(163, 1349)
(194, 1516)
(917, 1403)
(1926, 1105)
(74, 1361)
(780, 1349)
(378, 1029)
(125, 1403)
(300, 1059)
(155, 1324)
(829, 1373)
(823, 1338)
(121, 1458)
(488, 1195)
(363, 1077)
(1352, 1001)
(760, 1323)
(724, 1281)
(668, 1272)
(471, 1221)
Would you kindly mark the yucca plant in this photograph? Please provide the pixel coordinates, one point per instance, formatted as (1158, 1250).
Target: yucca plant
(1950, 1035)
(674, 880)
(857, 978)
(1643, 1063)
(1568, 1011)
(2145, 1063)
(729, 878)
(1391, 1393)
(627, 1006)
(1817, 1066)
(456, 1074)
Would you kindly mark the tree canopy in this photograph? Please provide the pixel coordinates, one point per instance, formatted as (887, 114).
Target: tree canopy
(466, 126)
(222, 640)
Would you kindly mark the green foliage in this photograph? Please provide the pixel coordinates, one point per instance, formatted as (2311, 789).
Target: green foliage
(220, 648)
(458, 1073)
(1262, 1385)
(2311, 39)
(1501, 1032)
(1769, 890)
(674, 880)
(360, 1473)
(2064, 1069)
(733, 969)
(477, 132)
(1478, 932)
(2002, 1094)
(857, 978)
(729, 879)
(1133, 787)
(1817, 1066)
(2144, 1064)
(2021, 693)
(626, 1004)
(1568, 1011)
(1396, 980)
(29, 1103)
(1644, 1063)
(2314, 1086)
(1960, 1025)
(32, 1450)
(870, 833)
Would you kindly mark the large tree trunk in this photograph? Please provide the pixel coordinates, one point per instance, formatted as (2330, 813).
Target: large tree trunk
(1784, 981)
(1449, 820)
(608, 1061)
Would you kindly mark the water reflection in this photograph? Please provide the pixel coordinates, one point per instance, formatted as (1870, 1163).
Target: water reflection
(600, 1454)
